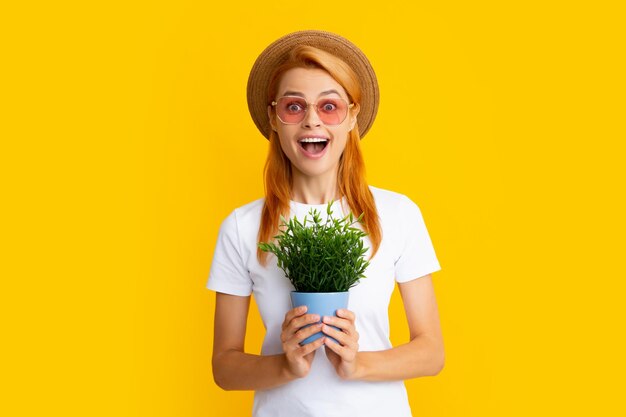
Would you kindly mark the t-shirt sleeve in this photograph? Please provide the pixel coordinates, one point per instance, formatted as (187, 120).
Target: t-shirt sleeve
(417, 256)
(228, 272)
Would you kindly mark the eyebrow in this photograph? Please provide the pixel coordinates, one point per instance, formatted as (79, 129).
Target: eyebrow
(323, 93)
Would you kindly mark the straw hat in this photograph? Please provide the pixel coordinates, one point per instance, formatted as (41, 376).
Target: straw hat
(276, 53)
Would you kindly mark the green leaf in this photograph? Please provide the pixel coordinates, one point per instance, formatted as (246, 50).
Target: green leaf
(325, 256)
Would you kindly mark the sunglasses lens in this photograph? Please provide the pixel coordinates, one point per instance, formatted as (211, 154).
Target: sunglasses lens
(331, 111)
(291, 109)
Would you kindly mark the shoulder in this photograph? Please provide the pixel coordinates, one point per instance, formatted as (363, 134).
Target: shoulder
(397, 212)
(388, 201)
(250, 210)
(243, 218)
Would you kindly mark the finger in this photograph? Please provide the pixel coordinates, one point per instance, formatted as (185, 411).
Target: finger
(296, 324)
(305, 319)
(346, 314)
(310, 347)
(294, 312)
(299, 322)
(334, 346)
(305, 332)
(338, 335)
(346, 353)
(350, 341)
(343, 324)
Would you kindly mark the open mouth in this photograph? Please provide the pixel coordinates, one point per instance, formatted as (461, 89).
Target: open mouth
(313, 145)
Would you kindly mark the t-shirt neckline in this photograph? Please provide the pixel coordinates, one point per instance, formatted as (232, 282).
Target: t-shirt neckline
(317, 206)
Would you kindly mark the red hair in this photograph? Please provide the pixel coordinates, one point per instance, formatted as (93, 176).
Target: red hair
(351, 175)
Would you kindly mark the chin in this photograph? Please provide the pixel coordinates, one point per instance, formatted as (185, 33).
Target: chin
(313, 168)
(312, 172)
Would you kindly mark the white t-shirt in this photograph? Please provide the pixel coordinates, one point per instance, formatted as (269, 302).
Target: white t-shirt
(405, 253)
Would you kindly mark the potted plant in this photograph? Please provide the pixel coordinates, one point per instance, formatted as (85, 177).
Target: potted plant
(322, 261)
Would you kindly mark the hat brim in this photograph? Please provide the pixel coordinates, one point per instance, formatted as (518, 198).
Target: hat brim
(276, 53)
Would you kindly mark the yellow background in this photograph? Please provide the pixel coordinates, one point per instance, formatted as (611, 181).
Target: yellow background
(126, 141)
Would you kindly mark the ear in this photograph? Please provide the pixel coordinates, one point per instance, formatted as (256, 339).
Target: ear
(353, 113)
(271, 118)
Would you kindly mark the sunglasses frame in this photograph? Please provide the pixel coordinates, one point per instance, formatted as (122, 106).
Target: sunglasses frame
(349, 106)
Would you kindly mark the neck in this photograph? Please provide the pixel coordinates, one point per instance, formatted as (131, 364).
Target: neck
(315, 190)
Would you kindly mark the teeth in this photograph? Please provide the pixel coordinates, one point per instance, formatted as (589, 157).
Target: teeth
(313, 140)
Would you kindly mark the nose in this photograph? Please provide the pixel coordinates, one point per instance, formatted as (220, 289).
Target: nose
(311, 118)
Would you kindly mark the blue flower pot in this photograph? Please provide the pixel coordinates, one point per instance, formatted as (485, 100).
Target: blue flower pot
(321, 303)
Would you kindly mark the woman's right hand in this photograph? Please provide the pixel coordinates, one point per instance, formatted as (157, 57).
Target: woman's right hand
(299, 358)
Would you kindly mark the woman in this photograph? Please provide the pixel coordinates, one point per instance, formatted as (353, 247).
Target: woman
(313, 94)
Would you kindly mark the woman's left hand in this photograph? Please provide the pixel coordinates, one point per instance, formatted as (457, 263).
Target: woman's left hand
(343, 356)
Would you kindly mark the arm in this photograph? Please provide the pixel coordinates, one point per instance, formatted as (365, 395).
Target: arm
(424, 354)
(233, 369)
